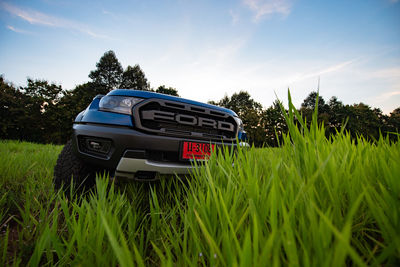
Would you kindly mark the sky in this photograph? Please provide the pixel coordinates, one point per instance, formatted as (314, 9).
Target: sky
(209, 49)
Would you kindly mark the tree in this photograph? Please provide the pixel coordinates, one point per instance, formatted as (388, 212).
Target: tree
(274, 123)
(393, 124)
(29, 113)
(42, 122)
(108, 73)
(364, 121)
(394, 120)
(168, 91)
(239, 102)
(249, 111)
(337, 113)
(134, 78)
(13, 111)
(311, 100)
(41, 89)
(308, 107)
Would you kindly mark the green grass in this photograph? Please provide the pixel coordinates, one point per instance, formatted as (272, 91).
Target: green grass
(311, 202)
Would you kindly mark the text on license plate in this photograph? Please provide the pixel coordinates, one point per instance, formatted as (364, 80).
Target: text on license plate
(196, 150)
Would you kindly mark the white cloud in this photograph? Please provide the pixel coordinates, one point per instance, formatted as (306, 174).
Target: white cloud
(234, 17)
(37, 18)
(390, 82)
(111, 14)
(330, 69)
(106, 12)
(389, 73)
(17, 30)
(385, 98)
(393, 93)
(265, 8)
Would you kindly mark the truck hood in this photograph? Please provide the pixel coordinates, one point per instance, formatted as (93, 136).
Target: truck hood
(147, 94)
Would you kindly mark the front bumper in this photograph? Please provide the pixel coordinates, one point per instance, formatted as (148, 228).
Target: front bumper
(128, 168)
(132, 151)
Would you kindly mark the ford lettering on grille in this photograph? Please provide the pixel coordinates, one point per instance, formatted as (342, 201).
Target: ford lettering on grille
(164, 117)
(187, 119)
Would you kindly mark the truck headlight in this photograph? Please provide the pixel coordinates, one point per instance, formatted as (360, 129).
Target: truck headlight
(118, 104)
(240, 124)
(242, 136)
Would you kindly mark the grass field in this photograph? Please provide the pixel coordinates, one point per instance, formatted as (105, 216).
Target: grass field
(311, 202)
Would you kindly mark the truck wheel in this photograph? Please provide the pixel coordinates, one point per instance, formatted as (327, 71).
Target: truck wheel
(69, 167)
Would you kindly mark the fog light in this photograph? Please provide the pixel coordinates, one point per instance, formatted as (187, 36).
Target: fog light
(96, 145)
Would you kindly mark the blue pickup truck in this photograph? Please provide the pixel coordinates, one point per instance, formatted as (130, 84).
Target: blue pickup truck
(139, 134)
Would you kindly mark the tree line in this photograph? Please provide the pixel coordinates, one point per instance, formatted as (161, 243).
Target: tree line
(43, 112)
(265, 127)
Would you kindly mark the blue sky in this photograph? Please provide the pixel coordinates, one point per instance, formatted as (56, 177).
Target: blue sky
(207, 49)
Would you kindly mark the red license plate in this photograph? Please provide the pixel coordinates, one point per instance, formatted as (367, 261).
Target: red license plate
(194, 150)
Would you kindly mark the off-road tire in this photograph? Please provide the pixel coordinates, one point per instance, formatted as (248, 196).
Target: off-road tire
(70, 168)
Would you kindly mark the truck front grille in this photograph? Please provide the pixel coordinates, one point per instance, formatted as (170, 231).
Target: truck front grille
(170, 118)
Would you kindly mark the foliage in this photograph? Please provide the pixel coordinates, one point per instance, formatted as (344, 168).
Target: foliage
(364, 121)
(274, 124)
(167, 91)
(134, 78)
(29, 113)
(358, 119)
(337, 114)
(249, 111)
(311, 102)
(12, 105)
(393, 122)
(311, 202)
(108, 73)
(44, 112)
